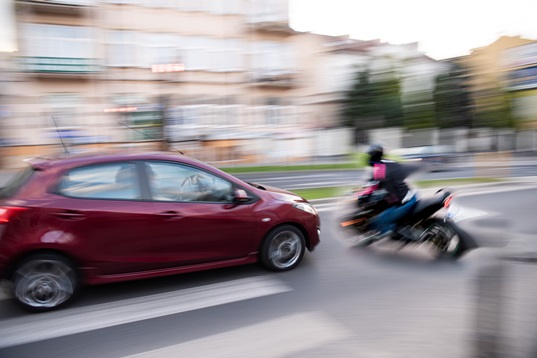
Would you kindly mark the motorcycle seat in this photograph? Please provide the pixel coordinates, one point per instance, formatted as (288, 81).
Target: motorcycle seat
(435, 200)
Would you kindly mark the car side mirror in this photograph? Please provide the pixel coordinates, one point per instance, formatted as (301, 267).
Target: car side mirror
(240, 196)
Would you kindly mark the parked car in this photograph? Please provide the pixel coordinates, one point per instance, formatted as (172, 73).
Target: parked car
(100, 218)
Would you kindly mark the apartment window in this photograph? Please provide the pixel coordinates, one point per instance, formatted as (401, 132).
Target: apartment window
(196, 114)
(160, 49)
(131, 49)
(123, 49)
(226, 55)
(43, 40)
(223, 115)
(195, 53)
(272, 57)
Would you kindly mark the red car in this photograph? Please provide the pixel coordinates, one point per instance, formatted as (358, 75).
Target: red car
(101, 218)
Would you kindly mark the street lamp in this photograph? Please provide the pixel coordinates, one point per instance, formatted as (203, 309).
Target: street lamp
(166, 68)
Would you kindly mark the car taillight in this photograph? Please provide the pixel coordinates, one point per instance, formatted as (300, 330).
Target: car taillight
(8, 212)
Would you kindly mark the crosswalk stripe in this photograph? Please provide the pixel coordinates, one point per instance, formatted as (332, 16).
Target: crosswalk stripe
(50, 325)
(281, 337)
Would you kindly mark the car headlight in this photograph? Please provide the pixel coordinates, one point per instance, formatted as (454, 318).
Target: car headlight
(305, 207)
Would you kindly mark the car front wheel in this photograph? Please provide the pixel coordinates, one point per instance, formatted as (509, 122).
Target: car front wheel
(44, 282)
(283, 248)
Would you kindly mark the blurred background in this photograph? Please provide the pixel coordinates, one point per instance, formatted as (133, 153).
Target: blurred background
(233, 82)
(258, 82)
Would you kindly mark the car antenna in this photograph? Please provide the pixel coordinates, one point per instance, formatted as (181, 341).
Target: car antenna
(147, 135)
(59, 135)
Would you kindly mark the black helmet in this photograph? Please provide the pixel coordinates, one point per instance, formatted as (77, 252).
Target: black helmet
(375, 153)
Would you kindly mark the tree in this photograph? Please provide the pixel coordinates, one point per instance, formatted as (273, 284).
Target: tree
(493, 109)
(388, 100)
(452, 102)
(419, 110)
(372, 104)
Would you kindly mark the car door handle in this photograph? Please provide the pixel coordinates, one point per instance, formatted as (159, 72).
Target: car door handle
(170, 215)
(70, 215)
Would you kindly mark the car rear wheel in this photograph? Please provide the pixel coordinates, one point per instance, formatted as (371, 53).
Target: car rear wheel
(44, 282)
(283, 248)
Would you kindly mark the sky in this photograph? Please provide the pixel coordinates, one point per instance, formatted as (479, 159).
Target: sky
(443, 29)
(7, 35)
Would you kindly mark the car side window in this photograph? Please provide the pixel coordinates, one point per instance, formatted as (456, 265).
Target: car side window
(106, 181)
(176, 182)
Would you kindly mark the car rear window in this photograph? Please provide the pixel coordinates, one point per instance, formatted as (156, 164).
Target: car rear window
(102, 181)
(16, 182)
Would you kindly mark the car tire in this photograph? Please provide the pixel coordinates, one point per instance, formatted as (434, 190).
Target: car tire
(43, 282)
(283, 248)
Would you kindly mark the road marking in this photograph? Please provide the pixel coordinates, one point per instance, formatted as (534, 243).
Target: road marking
(469, 191)
(281, 337)
(50, 325)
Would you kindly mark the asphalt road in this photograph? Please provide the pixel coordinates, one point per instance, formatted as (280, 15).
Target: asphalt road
(341, 302)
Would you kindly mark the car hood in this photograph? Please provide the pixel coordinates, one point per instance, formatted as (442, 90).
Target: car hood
(279, 194)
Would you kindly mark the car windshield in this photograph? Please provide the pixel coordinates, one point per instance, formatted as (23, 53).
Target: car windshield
(16, 182)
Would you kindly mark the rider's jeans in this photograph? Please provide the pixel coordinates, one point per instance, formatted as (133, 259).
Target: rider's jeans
(386, 220)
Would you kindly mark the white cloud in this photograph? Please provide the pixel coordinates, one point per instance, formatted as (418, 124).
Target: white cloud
(442, 28)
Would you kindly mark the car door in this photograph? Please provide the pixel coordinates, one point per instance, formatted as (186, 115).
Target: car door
(101, 214)
(196, 218)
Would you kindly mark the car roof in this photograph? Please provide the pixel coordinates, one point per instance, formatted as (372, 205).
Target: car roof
(88, 158)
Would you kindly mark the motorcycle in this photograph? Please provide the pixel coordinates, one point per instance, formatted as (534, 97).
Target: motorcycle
(423, 225)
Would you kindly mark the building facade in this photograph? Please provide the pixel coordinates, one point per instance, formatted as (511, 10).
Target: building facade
(203, 71)
(222, 80)
(519, 65)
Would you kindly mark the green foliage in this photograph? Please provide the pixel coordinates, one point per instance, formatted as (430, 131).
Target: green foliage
(419, 111)
(322, 193)
(371, 104)
(453, 105)
(494, 110)
(355, 161)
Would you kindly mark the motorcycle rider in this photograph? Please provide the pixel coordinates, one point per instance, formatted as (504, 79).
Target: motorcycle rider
(391, 177)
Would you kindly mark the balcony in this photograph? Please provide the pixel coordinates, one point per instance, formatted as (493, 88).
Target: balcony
(275, 22)
(271, 27)
(54, 66)
(67, 7)
(275, 79)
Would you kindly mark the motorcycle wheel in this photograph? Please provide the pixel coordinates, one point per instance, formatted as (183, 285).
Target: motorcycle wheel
(444, 240)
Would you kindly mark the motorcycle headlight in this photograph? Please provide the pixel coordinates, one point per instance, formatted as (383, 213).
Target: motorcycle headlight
(305, 207)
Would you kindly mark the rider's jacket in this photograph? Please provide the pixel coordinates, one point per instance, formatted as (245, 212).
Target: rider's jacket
(391, 176)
